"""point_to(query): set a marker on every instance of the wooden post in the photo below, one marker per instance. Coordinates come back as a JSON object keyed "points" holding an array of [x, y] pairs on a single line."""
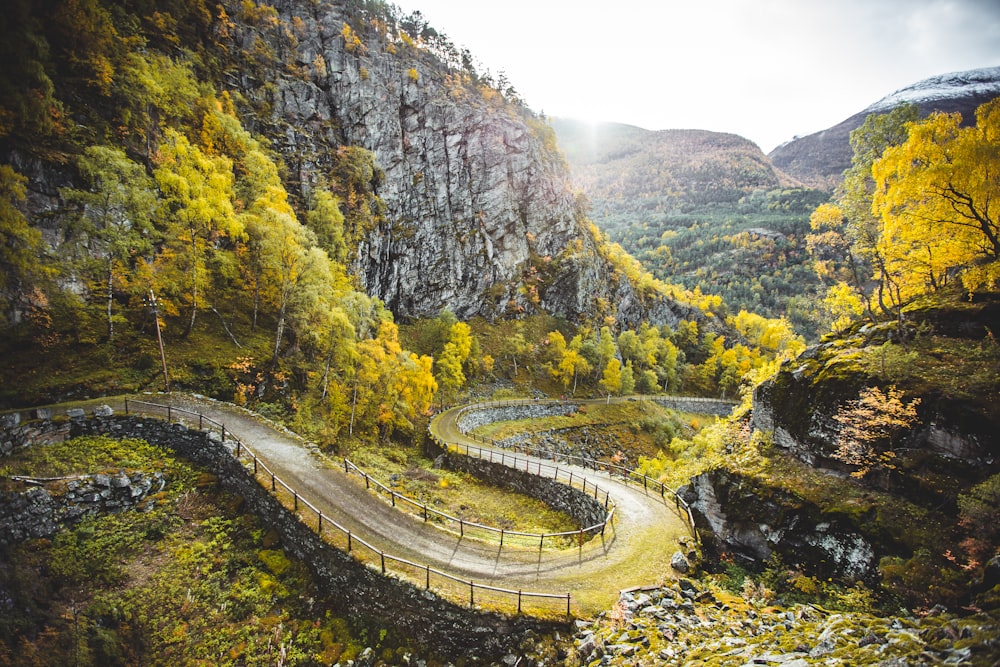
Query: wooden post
{"points": [[472, 594], [427, 581], [126, 405], [518, 601], [319, 523], [295, 500], [273, 487], [349, 544], [382, 554]]}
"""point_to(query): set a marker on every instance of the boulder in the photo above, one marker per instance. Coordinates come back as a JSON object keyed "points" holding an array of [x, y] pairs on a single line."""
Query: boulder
{"points": [[680, 562]]}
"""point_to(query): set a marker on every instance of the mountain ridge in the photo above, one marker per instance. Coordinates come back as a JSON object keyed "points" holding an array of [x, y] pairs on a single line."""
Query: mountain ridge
{"points": [[819, 159]]}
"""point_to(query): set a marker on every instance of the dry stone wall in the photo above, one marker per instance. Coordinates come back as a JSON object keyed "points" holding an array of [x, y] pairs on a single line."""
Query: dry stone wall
{"points": [[413, 612]]}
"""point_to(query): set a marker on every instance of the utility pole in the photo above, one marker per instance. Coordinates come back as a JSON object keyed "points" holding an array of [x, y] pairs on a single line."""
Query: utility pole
{"points": [[159, 340]]}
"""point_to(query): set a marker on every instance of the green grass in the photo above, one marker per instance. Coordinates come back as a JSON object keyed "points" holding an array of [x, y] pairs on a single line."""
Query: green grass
{"points": [[411, 474], [190, 580]]}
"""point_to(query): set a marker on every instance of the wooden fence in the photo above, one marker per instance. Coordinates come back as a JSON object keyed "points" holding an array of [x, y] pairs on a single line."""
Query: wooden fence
{"points": [[361, 549], [627, 475]]}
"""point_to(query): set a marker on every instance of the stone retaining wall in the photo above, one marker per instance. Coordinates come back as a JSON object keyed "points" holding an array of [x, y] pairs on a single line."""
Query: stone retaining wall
{"points": [[41, 511], [473, 418], [383, 601], [584, 509], [704, 406]]}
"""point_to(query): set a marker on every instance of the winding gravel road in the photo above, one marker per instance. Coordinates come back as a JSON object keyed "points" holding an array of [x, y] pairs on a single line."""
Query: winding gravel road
{"points": [[635, 551]]}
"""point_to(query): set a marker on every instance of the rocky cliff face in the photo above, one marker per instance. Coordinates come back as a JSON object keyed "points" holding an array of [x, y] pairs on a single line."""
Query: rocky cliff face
{"points": [[737, 515], [478, 201]]}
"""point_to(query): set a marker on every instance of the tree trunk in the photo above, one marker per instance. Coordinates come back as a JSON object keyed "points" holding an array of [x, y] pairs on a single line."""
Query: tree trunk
{"points": [[111, 296], [194, 282], [280, 332], [354, 407]]}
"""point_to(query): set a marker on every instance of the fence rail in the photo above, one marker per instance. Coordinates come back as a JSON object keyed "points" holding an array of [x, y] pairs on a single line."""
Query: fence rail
{"points": [[626, 474], [264, 475], [463, 525]]}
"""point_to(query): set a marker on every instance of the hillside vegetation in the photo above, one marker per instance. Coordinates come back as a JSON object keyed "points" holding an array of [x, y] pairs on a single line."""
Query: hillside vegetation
{"points": [[166, 222], [702, 209]]}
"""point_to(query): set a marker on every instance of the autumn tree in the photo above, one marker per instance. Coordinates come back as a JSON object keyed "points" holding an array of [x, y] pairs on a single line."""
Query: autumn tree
{"points": [[611, 380], [938, 200], [449, 364], [845, 232], [198, 216], [326, 220], [870, 430], [115, 222], [20, 243], [514, 347]]}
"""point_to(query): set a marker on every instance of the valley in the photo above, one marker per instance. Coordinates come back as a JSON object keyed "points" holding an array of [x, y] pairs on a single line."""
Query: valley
{"points": [[497, 388]]}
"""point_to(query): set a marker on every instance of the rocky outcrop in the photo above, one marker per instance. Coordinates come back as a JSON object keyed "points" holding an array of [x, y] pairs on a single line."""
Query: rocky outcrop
{"points": [[684, 624], [736, 515], [798, 404], [480, 215]]}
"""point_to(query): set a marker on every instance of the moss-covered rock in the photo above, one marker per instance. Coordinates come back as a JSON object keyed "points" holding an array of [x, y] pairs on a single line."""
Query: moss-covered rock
{"points": [[739, 516]]}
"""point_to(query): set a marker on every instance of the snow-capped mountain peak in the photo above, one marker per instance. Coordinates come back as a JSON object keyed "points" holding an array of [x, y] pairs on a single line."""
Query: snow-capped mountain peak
{"points": [[980, 82]]}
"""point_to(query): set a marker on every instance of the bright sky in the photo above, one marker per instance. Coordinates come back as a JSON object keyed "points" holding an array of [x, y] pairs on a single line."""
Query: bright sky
{"points": [[768, 70]]}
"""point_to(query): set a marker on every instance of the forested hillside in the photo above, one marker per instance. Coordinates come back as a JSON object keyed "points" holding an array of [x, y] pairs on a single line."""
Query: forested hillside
{"points": [[322, 211], [214, 198], [703, 209]]}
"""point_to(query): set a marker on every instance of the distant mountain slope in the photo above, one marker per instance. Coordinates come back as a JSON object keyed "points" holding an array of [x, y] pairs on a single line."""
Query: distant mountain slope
{"points": [[700, 208], [819, 159], [613, 159]]}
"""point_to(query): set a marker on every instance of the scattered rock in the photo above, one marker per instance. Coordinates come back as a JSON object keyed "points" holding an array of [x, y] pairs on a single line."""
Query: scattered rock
{"points": [[666, 632], [680, 562]]}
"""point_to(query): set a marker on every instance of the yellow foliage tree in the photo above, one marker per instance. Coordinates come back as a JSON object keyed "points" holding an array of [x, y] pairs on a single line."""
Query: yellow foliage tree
{"points": [[938, 200], [870, 427]]}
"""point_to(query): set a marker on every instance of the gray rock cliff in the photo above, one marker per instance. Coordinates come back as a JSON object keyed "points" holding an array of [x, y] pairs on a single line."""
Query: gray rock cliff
{"points": [[480, 216]]}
